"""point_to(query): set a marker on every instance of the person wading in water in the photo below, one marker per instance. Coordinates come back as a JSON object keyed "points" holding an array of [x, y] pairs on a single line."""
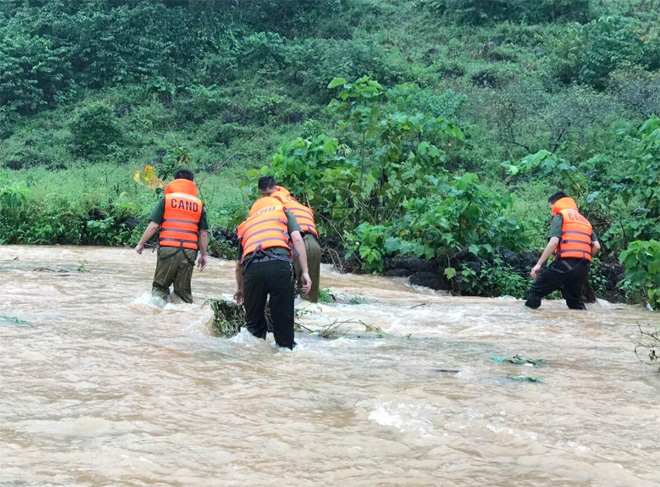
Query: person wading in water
{"points": [[305, 218], [573, 243], [181, 218], [265, 268]]}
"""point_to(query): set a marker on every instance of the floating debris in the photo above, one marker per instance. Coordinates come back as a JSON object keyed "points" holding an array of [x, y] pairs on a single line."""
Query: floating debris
{"points": [[336, 329], [48, 269], [12, 320], [524, 378], [228, 319], [446, 371], [518, 360]]}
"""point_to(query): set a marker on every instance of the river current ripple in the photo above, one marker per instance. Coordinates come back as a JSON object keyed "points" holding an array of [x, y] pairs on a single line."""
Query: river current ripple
{"points": [[99, 387]]}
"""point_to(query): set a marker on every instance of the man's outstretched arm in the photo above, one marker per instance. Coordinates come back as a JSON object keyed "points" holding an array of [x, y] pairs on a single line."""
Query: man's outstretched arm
{"points": [[148, 233], [549, 250]]}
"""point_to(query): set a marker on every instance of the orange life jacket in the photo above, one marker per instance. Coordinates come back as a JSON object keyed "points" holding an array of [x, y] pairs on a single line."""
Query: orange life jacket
{"points": [[265, 228], [183, 210], [304, 215], [575, 241]]}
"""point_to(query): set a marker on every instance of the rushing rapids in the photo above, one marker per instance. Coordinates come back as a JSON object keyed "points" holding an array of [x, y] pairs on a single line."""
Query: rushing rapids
{"points": [[102, 387]]}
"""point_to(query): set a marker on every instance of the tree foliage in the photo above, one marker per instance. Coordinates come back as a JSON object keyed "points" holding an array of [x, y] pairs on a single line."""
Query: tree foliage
{"points": [[94, 129], [385, 190], [412, 164]]}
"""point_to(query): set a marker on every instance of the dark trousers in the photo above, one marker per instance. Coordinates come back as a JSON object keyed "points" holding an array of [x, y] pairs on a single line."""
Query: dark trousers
{"points": [[569, 275], [275, 279]]}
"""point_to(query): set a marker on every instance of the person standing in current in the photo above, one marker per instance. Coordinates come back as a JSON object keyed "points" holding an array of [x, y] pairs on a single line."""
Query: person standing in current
{"points": [[573, 243], [305, 218], [181, 218], [264, 269]]}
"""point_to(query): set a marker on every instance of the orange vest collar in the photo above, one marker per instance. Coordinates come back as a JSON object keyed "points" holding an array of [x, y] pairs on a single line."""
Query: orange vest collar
{"points": [[182, 186], [566, 203], [280, 189]]}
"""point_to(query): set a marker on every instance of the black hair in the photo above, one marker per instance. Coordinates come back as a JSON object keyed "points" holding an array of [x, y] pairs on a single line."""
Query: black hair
{"points": [[556, 197], [184, 174], [266, 182]]}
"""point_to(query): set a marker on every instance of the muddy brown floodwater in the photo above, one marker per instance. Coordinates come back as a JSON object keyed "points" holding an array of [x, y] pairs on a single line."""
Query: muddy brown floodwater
{"points": [[99, 387]]}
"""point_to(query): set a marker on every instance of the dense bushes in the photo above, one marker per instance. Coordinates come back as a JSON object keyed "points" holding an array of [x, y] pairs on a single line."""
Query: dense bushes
{"points": [[94, 129], [51, 50], [384, 190], [33, 75], [589, 53], [480, 12], [63, 219], [557, 88]]}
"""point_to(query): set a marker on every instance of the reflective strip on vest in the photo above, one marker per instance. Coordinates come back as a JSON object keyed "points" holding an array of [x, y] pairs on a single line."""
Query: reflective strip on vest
{"points": [[184, 195], [575, 241], [180, 226], [264, 230], [304, 215]]}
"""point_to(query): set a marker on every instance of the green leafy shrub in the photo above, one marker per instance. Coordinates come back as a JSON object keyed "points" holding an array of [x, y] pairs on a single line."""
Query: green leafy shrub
{"points": [[552, 167], [481, 12], [385, 191], [642, 261], [95, 129], [33, 75], [499, 280], [590, 53], [641, 191]]}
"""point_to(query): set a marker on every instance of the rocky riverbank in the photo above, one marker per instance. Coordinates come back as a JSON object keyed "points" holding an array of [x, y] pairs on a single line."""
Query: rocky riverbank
{"points": [[459, 271]]}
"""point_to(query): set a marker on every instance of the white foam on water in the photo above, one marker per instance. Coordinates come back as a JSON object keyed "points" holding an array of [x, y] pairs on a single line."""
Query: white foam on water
{"points": [[204, 323], [146, 299], [248, 340], [604, 303], [404, 417], [82, 426], [180, 307], [33, 356]]}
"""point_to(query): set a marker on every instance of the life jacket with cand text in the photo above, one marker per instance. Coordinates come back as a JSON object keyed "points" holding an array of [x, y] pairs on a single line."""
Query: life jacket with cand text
{"points": [[575, 241], [265, 228], [183, 211]]}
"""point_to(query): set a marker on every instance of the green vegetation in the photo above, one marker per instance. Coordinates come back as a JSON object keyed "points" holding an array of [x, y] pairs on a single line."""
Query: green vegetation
{"points": [[518, 360], [414, 127], [228, 318], [642, 260], [648, 348], [326, 296]]}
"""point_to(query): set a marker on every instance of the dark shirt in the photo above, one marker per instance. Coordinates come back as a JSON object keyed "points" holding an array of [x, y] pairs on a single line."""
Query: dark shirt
{"points": [[292, 226], [159, 211]]}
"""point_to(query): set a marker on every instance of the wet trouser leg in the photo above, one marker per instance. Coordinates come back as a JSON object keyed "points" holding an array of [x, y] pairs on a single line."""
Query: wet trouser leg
{"points": [[572, 290], [174, 266], [282, 296], [183, 279], [313, 250], [559, 276], [274, 278], [255, 294], [166, 269]]}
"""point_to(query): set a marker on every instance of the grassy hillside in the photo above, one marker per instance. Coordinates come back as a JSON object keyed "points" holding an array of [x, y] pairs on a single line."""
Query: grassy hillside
{"points": [[93, 90]]}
